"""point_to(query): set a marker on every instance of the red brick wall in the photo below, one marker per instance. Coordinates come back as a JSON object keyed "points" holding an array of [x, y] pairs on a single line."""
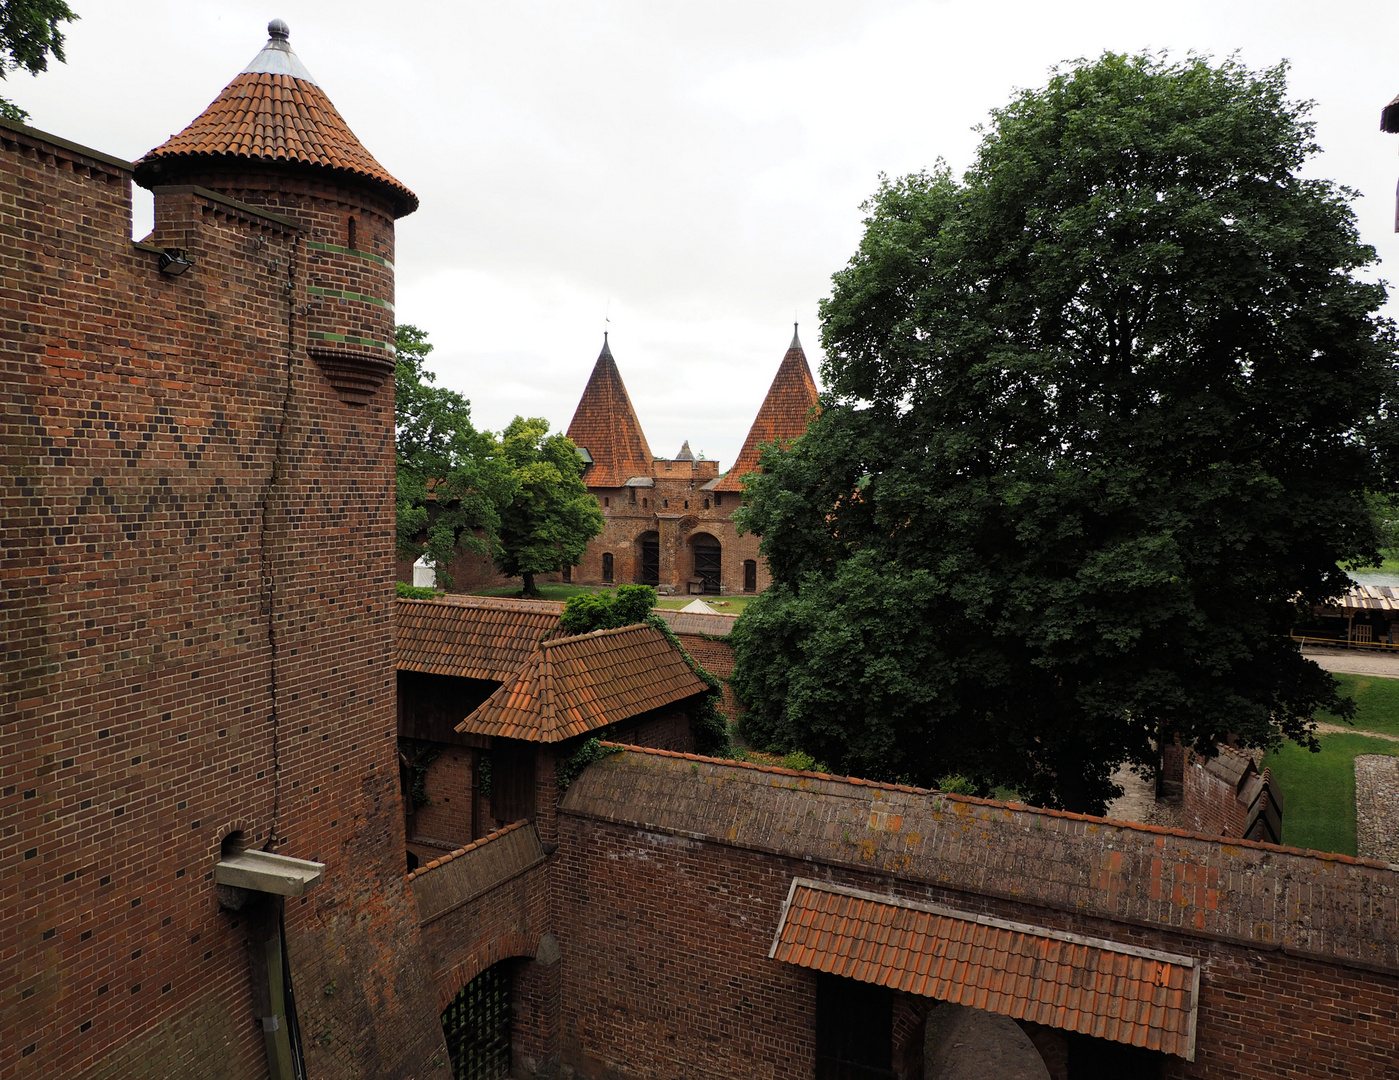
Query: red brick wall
{"points": [[505, 925], [716, 656], [635, 910], [635, 906], [199, 638], [665, 729], [449, 783], [663, 509], [1209, 802]]}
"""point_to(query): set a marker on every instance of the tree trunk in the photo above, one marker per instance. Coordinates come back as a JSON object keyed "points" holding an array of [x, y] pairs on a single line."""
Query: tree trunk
{"points": [[531, 590]]}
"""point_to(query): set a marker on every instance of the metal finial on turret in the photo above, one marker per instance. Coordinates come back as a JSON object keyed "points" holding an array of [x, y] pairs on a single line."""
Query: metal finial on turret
{"points": [[278, 29], [796, 341]]}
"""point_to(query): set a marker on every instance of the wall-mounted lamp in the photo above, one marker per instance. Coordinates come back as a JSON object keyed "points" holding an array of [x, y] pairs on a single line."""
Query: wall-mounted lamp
{"points": [[175, 261]]}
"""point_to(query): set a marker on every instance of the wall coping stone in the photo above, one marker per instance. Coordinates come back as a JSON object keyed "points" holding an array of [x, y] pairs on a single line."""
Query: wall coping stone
{"points": [[1313, 904]]}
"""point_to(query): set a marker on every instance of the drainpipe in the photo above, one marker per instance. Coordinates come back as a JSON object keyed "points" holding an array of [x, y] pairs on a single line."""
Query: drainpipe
{"points": [[258, 883]]}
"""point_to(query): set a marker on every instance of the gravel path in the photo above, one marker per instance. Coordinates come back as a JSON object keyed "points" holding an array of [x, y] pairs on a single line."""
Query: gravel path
{"points": [[1377, 807], [1345, 729], [1354, 662]]}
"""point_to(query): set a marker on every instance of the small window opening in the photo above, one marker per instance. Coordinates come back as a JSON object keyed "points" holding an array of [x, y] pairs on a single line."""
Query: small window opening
{"points": [[687, 504], [750, 575], [643, 504], [633, 496], [351, 238], [706, 504], [235, 843], [718, 498]]}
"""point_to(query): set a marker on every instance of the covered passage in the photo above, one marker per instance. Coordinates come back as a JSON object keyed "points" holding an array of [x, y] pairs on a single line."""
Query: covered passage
{"points": [[1091, 986]]}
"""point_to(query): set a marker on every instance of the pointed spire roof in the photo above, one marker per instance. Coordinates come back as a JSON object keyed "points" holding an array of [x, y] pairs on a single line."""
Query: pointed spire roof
{"points": [[605, 425], [783, 416], [686, 454], [273, 112]]}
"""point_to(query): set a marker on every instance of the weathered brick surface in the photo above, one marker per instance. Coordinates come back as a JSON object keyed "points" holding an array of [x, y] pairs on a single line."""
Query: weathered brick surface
{"points": [[672, 870], [716, 656], [198, 627], [487, 903]]}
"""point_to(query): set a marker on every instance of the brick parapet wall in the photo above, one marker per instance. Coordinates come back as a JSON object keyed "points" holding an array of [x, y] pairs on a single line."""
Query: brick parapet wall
{"points": [[182, 489], [503, 909], [639, 896], [1209, 800], [1333, 907]]}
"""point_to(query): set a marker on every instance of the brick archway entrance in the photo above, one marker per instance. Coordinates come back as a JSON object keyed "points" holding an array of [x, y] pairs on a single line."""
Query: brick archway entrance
{"points": [[649, 558]]}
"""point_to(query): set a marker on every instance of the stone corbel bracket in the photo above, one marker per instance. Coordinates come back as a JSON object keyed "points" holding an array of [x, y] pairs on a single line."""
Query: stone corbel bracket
{"points": [[356, 373]]}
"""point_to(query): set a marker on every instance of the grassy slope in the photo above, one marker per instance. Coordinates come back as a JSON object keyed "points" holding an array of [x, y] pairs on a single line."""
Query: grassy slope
{"points": [[1376, 700], [1318, 790]]}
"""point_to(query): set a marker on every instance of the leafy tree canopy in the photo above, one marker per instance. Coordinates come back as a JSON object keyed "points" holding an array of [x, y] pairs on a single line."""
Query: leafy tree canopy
{"points": [[29, 35], [587, 612], [450, 477], [548, 522], [1099, 415]]}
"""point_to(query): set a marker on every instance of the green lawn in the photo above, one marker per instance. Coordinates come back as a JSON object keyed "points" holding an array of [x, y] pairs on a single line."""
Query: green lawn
{"points": [[1318, 790], [548, 591], [1376, 700], [726, 605]]}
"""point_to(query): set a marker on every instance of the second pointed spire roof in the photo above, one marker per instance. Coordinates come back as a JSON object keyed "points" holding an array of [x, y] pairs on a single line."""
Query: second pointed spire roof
{"points": [[783, 417]]}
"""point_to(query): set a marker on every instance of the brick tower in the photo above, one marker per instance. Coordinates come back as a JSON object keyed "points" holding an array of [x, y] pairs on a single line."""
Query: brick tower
{"points": [[196, 503], [273, 139]]}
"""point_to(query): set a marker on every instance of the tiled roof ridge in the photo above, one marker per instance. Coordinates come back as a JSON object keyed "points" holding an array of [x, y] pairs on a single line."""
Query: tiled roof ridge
{"points": [[602, 677], [610, 632], [548, 706], [444, 859], [783, 415], [1068, 815]]}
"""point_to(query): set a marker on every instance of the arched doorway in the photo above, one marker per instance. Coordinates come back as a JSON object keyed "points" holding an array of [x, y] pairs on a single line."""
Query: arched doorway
{"points": [[477, 1026], [649, 563], [708, 557]]}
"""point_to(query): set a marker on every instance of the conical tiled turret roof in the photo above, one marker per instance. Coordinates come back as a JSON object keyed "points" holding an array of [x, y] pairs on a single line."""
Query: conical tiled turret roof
{"points": [[783, 417], [272, 112], [605, 425]]}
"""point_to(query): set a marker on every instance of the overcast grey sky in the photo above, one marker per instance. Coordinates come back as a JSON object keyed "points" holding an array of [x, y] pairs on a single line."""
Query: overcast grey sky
{"points": [[697, 167]]}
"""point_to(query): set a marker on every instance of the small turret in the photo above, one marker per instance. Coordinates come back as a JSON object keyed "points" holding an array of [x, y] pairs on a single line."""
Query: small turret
{"points": [[272, 139]]}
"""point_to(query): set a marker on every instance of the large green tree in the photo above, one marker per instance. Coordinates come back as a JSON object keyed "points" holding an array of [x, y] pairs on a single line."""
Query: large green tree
{"points": [[1099, 415], [29, 34], [451, 478], [549, 521]]}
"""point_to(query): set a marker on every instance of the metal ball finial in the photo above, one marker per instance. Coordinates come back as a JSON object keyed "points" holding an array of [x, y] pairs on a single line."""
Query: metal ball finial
{"points": [[278, 29]]}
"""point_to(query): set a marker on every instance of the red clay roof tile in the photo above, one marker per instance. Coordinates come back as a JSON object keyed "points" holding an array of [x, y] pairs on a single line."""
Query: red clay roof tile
{"points": [[1088, 985], [573, 685], [472, 637], [271, 117]]}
